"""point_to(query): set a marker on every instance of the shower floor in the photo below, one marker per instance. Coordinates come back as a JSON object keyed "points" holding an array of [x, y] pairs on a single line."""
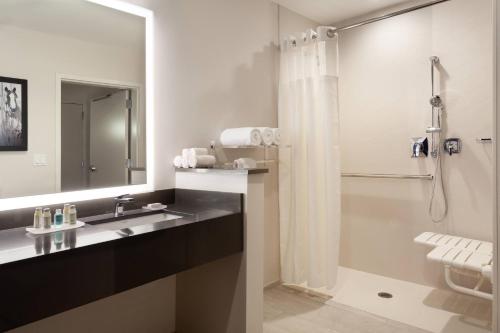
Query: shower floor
{"points": [[292, 311], [413, 308]]}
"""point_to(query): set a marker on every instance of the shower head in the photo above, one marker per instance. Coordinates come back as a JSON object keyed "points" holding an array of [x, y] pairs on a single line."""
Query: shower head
{"points": [[436, 101]]}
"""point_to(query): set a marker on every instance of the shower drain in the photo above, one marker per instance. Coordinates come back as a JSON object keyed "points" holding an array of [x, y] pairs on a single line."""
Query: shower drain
{"points": [[384, 295]]}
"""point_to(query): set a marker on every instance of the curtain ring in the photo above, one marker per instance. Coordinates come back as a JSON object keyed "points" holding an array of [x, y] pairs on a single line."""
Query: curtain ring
{"points": [[331, 32]]}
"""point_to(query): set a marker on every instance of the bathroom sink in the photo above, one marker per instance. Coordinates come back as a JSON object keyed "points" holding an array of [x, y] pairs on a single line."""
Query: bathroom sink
{"points": [[131, 222]]}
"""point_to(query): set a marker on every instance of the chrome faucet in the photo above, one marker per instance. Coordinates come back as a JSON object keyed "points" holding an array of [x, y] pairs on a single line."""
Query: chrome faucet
{"points": [[120, 203]]}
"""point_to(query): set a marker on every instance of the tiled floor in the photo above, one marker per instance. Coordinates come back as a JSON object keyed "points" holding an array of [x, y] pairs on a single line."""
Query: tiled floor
{"points": [[291, 311]]}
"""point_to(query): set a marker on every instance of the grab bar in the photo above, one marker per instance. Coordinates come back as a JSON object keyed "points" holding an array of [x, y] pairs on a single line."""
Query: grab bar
{"points": [[391, 176]]}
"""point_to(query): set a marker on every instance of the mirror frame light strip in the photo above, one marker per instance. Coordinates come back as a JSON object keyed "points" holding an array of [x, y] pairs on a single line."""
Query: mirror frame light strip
{"points": [[59, 198]]}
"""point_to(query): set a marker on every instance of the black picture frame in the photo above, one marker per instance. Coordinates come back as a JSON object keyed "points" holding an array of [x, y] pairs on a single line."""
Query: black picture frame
{"points": [[13, 122]]}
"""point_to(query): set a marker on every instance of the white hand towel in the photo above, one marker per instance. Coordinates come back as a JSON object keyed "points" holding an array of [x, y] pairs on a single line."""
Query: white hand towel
{"points": [[178, 161], [201, 161], [245, 136], [245, 163], [277, 136], [185, 153], [267, 135], [197, 152], [185, 158]]}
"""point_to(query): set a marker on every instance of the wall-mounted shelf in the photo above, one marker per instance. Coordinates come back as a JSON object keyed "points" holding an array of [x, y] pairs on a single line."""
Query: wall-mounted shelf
{"points": [[266, 149]]}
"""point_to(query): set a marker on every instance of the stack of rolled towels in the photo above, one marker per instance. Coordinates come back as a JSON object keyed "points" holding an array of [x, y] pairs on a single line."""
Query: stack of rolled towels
{"points": [[250, 136], [195, 158]]}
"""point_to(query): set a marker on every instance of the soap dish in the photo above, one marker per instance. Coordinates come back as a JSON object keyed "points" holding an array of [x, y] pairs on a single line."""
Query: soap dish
{"points": [[162, 207], [64, 227]]}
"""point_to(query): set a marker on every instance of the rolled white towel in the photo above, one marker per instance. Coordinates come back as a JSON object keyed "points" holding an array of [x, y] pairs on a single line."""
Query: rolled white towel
{"points": [[277, 136], [178, 161], [201, 161], [245, 136], [185, 153], [245, 163], [197, 152], [267, 135]]}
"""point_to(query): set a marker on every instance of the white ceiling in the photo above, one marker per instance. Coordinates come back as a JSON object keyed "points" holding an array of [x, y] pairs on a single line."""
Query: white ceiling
{"points": [[77, 19], [332, 11]]}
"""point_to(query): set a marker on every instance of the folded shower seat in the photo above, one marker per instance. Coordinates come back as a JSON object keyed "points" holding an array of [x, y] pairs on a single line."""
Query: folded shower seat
{"points": [[462, 255]]}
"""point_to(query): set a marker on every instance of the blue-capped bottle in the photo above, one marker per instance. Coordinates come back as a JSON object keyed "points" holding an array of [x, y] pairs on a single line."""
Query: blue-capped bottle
{"points": [[58, 218]]}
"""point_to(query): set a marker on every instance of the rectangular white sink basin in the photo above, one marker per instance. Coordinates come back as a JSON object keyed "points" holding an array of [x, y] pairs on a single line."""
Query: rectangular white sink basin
{"points": [[139, 221]]}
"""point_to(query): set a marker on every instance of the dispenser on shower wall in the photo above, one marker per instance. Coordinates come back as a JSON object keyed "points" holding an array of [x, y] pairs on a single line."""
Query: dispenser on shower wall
{"points": [[420, 147]]}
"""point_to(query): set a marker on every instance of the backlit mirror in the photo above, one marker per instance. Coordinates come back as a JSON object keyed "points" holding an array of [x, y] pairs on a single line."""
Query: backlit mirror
{"points": [[72, 97]]}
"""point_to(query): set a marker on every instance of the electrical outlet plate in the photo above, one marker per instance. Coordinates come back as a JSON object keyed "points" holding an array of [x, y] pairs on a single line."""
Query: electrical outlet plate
{"points": [[40, 160]]}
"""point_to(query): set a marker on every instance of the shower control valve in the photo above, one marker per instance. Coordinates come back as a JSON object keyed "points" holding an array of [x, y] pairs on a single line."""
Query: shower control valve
{"points": [[453, 146]]}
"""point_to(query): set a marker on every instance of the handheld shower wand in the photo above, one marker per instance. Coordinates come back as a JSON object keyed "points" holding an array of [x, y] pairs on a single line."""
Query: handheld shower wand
{"points": [[435, 130]]}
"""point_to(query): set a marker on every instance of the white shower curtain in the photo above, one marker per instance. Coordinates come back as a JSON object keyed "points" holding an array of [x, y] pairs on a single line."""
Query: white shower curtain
{"points": [[309, 170]]}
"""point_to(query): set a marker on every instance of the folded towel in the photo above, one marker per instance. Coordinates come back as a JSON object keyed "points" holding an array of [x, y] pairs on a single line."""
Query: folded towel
{"points": [[277, 136], [245, 136], [197, 151], [178, 161], [245, 163], [267, 135], [201, 161]]}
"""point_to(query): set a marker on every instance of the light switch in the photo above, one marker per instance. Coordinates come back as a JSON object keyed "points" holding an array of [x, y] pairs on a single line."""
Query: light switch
{"points": [[40, 160]]}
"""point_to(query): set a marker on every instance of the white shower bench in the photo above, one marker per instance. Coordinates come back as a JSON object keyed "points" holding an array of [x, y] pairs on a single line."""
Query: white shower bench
{"points": [[464, 256]]}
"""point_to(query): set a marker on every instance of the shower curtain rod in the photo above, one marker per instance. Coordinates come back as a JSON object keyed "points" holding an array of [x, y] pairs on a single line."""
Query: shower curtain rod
{"points": [[383, 17]]}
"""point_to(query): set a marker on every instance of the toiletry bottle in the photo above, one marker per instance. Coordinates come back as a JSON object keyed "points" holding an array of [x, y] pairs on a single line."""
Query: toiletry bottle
{"points": [[66, 213], [72, 215], [58, 218], [38, 218], [47, 218]]}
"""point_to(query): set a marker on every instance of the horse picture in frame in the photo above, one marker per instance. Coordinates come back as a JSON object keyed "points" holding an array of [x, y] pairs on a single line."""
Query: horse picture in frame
{"points": [[13, 114]]}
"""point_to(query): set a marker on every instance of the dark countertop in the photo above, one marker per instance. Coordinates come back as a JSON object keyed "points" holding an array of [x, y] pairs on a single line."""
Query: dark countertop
{"points": [[16, 244], [225, 171]]}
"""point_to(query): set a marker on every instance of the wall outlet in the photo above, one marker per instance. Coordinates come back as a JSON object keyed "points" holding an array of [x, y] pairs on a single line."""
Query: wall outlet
{"points": [[40, 160]]}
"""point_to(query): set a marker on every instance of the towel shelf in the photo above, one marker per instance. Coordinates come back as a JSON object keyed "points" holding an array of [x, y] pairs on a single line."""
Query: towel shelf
{"points": [[390, 176]]}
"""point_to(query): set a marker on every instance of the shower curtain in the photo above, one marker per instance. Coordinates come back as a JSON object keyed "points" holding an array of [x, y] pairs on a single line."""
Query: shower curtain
{"points": [[309, 161]]}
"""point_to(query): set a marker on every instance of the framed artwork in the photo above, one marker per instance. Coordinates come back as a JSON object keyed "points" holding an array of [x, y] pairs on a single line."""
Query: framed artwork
{"points": [[13, 114]]}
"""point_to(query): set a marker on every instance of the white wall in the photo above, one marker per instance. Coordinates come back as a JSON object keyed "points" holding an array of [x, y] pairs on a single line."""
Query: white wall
{"points": [[384, 94], [38, 57], [216, 67]]}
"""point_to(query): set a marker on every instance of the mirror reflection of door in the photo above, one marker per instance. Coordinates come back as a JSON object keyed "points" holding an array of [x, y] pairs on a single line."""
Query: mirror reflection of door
{"points": [[73, 147], [109, 140], [98, 136]]}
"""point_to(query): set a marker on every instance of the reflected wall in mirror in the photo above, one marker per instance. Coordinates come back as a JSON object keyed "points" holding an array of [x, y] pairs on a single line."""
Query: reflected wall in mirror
{"points": [[85, 64]]}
